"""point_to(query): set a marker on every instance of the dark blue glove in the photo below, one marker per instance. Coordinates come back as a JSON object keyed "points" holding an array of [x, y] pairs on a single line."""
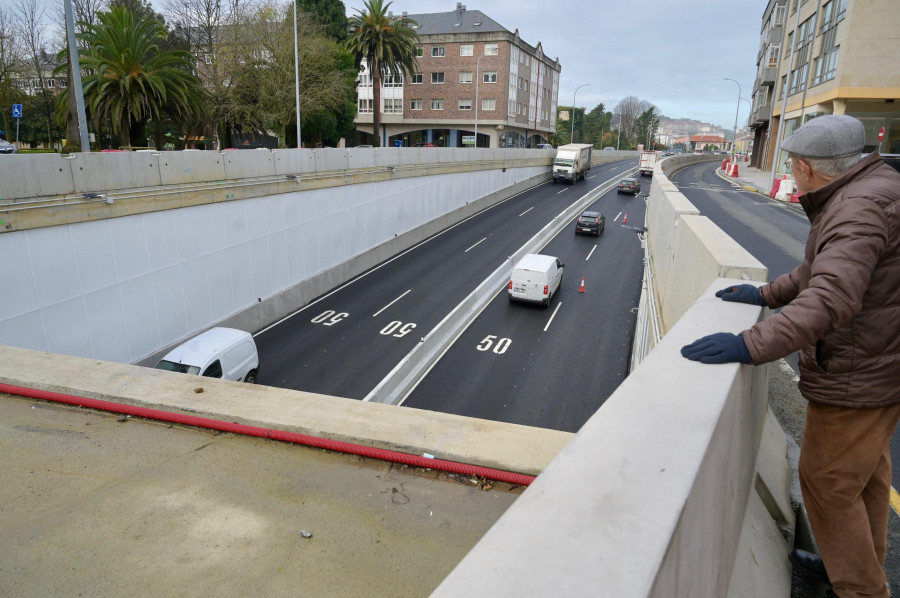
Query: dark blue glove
{"points": [[742, 293], [721, 347]]}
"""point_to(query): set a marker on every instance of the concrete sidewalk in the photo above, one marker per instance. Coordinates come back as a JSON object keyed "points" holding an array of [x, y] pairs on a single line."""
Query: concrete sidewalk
{"points": [[752, 179]]}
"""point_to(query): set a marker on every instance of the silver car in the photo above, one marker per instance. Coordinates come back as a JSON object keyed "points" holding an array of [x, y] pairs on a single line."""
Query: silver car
{"points": [[8, 148]]}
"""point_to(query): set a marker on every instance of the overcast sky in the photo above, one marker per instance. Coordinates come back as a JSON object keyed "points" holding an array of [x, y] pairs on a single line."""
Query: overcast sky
{"points": [[672, 53]]}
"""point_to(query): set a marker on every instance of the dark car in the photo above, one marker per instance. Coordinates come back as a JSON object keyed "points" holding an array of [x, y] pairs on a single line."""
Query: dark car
{"points": [[590, 222], [629, 185]]}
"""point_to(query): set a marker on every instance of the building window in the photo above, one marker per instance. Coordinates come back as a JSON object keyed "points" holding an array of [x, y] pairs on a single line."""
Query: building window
{"points": [[392, 81], [207, 58], [420, 51], [825, 66], [491, 49], [466, 49], [437, 51], [393, 106], [779, 15], [365, 80], [437, 78], [465, 76], [488, 104], [51, 83], [465, 103], [364, 106], [437, 104], [490, 77], [415, 104], [772, 56], [417, 78]]}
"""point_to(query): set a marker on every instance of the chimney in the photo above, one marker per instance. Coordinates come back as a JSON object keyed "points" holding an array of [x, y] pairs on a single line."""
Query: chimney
{"points": [[460, 7]]}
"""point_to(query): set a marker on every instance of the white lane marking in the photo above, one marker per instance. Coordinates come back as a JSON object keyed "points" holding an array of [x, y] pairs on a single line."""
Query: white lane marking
{"points": [[475, 245], [564, 188], [591, 253], [392, 302], [590, 177], [558, 305], [616, 219], [526, 211]]}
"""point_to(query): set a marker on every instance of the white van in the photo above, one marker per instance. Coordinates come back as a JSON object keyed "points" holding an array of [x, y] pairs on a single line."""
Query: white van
{"points": [[535, 278], [217, 353]]}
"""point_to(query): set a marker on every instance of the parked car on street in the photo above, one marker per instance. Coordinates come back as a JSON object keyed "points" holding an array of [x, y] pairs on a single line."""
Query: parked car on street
{"points": [[590, 222], [629, 185], [425, 144], [543, 146], [8, 148]]}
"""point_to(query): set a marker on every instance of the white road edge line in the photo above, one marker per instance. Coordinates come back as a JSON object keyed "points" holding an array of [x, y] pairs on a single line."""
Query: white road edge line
{"points": [[392, 302], [475, 245], [526, 211], [558, 305], [591, 253]]}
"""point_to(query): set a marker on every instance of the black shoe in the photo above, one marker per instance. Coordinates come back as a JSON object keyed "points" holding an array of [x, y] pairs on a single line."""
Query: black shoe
{"points": [[809, 563]]}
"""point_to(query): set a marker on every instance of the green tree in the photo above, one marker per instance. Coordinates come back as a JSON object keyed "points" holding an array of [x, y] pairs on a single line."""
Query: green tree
{"points": [[645, 127], [330, 14], [131, 80], [388, 46], [596, 123]]}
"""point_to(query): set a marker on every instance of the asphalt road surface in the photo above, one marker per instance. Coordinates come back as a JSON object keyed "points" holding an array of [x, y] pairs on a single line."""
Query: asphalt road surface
{"points": [[347, 341], [553, 366]]}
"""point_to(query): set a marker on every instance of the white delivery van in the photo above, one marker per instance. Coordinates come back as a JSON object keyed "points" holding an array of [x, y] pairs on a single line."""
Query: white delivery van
{"points": [[217, 353], [535, 278]]}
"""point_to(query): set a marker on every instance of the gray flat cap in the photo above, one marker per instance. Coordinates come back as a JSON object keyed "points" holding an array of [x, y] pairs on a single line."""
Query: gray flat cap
{"points": [[829, 136]]}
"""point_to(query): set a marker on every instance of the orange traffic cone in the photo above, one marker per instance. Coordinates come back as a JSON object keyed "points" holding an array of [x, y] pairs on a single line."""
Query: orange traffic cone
{"points": [[625, 219], [581, 290]]}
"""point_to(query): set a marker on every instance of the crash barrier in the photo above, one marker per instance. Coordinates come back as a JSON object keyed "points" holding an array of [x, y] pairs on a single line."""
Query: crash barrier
{"points": [[784, 189], [702, 507], [732, 169], [115, 266]]}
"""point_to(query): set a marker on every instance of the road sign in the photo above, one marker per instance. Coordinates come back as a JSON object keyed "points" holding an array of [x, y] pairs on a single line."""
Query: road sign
{"points": [[17, 110], [881, 135], [398, 143]]}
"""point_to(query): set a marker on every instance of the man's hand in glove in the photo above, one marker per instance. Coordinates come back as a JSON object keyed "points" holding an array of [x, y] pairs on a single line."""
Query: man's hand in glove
{"points": [[742, 293], [721, 347]]}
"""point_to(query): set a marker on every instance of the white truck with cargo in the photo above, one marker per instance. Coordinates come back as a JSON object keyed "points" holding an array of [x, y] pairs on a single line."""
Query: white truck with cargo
{"points": [[648, 161], [572, 162]]}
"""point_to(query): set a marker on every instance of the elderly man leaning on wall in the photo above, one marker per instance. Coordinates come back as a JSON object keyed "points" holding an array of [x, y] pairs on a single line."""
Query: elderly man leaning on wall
{"points": [[841, 310]]}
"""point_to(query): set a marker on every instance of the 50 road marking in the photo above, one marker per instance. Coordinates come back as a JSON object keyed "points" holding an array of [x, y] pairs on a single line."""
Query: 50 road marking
{"points": [[329, 318], [499, 348]]}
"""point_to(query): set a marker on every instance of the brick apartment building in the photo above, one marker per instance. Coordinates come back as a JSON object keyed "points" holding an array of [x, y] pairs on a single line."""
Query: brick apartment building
{"points": [[468, 65]]}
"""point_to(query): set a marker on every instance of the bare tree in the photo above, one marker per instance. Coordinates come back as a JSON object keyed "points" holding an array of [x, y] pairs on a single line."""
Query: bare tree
{"points": [[627, 111], [10, 62], [84, 11], [211, 31], [32, 31]]}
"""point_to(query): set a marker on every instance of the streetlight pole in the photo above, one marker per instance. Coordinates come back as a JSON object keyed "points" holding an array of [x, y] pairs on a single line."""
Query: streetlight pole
{"points": [[734, 140], [477, 80], [76, 89], [297, 72], [572, 136]]}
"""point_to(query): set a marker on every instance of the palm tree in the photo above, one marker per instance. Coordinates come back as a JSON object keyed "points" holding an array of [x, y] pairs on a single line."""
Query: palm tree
{"points": [[387, 44], [132, 81]]}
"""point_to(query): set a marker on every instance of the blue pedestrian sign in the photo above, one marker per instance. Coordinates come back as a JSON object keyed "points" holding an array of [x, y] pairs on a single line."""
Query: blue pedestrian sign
{"points": [[17, 110]]}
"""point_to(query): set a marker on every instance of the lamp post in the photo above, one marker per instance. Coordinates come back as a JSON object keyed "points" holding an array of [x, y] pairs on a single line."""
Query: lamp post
{"points": [[477, 80], [572, 136], [734, 141], [297, 74]]}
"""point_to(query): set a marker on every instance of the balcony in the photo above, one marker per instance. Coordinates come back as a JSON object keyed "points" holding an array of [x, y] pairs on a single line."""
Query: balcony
{"points": [[767, 76]]}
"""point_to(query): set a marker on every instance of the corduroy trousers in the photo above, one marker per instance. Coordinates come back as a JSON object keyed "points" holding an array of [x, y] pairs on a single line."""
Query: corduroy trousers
{"points": [[845, 477]]}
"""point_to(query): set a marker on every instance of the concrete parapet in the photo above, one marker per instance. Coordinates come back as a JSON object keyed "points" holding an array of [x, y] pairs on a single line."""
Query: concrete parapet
{"points": [[635, 506], [508, 447]]}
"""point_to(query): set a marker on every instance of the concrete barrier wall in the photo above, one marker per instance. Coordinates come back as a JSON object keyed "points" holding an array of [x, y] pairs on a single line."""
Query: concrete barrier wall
{"points": [[125, 289], [679, 485]]}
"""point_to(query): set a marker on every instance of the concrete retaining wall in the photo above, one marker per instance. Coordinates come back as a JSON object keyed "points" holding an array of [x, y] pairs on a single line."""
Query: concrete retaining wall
{"points": [[179, 259]]}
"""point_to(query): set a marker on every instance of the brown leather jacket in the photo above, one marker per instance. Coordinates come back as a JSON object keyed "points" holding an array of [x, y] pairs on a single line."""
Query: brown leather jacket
{"points": [[841, 306]]}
